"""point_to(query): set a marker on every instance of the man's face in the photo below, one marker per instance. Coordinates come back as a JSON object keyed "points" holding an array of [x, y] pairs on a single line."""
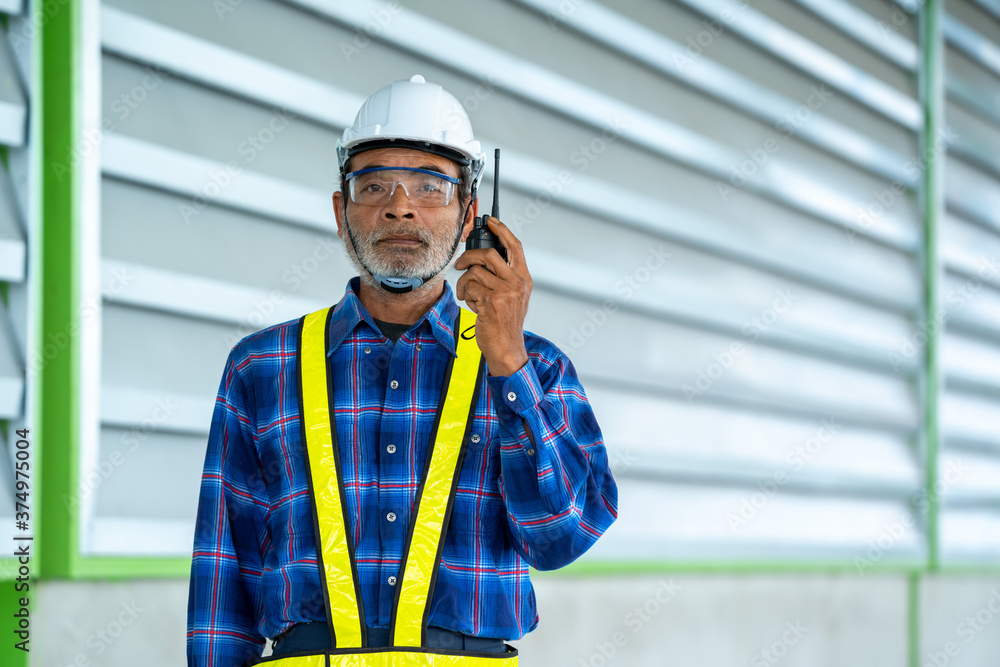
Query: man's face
{"points": [[399, 238]]}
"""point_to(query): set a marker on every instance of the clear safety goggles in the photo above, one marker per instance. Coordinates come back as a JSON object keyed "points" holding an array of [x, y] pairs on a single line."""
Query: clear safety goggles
{"points": [[375, 186]]}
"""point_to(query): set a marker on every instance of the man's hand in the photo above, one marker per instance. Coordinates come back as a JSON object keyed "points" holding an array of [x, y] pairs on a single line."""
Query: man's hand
{"points": [[498, 294]]}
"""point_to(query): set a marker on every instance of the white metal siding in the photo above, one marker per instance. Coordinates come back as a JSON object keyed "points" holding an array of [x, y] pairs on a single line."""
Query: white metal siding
{"points": [[969, 469], [729, 331], [17, 234]]}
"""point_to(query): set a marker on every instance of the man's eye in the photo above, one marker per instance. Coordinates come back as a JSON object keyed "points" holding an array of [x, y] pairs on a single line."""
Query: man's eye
{"points": [[372, 187], [430, 188]]}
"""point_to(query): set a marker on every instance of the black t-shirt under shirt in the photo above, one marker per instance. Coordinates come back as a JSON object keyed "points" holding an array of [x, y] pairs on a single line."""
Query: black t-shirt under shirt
{"points": [[391, 330]]}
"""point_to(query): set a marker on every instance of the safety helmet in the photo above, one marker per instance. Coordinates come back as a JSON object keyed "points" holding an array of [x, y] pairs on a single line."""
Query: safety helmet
{"points": [[414, 114]]}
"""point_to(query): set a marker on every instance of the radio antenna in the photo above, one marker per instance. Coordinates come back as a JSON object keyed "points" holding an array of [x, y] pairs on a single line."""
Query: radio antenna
{"points": [[496, 184]]}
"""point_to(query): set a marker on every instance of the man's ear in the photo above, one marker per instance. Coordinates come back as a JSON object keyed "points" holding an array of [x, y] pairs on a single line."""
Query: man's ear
{"points": [[338, 211], [470, 218]]}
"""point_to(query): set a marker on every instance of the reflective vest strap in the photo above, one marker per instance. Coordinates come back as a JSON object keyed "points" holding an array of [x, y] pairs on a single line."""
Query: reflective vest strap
{"points": [[324, 481], [393, 658], [316, 660], [418, 659], [433, 500]]}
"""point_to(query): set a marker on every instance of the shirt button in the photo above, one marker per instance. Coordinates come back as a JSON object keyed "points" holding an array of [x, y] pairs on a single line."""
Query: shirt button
{"points": [[368, 350], [391, 449], [391, 516], [475, 437], [511, 396], [392, 581], [394, 384], [419, 347], [531, 452]]}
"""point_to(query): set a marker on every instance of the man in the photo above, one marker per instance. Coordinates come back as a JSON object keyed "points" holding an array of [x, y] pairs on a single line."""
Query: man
{"points": [[349, 500]]}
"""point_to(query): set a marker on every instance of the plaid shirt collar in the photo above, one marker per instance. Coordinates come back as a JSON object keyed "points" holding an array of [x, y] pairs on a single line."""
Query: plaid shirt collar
{"points": [[349, 313]]}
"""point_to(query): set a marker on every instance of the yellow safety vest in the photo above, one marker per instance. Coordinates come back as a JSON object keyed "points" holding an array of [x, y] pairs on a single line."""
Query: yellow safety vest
{"points": [[414, 588]]}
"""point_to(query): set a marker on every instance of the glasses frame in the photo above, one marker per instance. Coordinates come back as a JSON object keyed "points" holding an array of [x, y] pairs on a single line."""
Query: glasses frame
{"points": [[349, 179]]}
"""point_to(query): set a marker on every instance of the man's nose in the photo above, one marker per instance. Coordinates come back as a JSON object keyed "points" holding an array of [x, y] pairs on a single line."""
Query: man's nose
{"points": [[399, 205]]}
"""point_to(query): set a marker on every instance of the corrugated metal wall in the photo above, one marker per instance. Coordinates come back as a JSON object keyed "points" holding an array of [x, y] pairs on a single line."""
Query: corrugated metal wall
{"points": [[721, 209], [969, 471], [17, 307]]}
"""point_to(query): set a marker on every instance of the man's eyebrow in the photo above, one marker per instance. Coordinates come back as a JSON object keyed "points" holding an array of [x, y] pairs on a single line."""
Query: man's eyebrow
{"points": [[429, 167]]}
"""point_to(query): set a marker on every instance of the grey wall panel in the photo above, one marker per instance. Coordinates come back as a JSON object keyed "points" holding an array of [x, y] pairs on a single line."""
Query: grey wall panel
{"points": [[75, 619], [840, 620], [969, 534], [19, 307], [972, 193], [975, 81], [972, 301], [686, 280], [968, 415], [949, 629], [730, 248], [775, 38], [970, 249], [665, 431], [970, 13], [129, 335], [969, 475], [971, 360], [685, 520], [719, 620], [794, 15], [969, 468], [879, 26], [978, 140], [122, 485], [12, 377], [13, 106], [890, 17], [172, 113], [755, 372], [686, 26], [144, 226]]}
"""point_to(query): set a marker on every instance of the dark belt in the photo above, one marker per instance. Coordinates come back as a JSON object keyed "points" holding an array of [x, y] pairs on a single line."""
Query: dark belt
{"points": [[316, 637]]}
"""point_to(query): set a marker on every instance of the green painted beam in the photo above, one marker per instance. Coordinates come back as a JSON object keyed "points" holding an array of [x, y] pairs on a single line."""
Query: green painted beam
{"points": [[970, 569], [117, 568], [774, 566], [132, 567], [56, 434], [10, 604]]}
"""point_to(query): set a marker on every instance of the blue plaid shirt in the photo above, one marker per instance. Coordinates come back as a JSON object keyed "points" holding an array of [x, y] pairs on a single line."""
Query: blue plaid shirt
{"points": [[534, 488]]}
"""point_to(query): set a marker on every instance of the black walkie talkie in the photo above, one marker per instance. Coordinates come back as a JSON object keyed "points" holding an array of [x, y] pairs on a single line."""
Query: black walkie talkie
{"points": [[481, 236]]}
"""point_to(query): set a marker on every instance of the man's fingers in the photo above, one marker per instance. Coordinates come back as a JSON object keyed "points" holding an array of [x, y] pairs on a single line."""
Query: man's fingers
{"points": [[487, 257], [474, 292], [483, 276], [479, 275], [515, 251]]}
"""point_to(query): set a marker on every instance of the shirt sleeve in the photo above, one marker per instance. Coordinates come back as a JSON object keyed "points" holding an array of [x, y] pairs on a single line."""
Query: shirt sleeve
{"points": [[224, 595], [555, 479]]}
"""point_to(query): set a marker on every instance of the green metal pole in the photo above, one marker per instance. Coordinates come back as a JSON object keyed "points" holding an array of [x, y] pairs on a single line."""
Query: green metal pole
{"points": [[931, 87], [932, 93], [56, 367], [913, 619]]}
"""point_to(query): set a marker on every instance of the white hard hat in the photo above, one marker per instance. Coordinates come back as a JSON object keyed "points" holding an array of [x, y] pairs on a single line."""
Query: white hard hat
{"points": [[414, 114]]}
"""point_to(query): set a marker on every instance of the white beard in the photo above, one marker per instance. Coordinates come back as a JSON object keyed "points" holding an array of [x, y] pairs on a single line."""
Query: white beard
{"points": [[426, 261]]}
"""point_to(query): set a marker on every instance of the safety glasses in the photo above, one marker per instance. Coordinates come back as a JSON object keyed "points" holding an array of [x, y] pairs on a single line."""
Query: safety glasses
{"points": [[376, 185]]}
